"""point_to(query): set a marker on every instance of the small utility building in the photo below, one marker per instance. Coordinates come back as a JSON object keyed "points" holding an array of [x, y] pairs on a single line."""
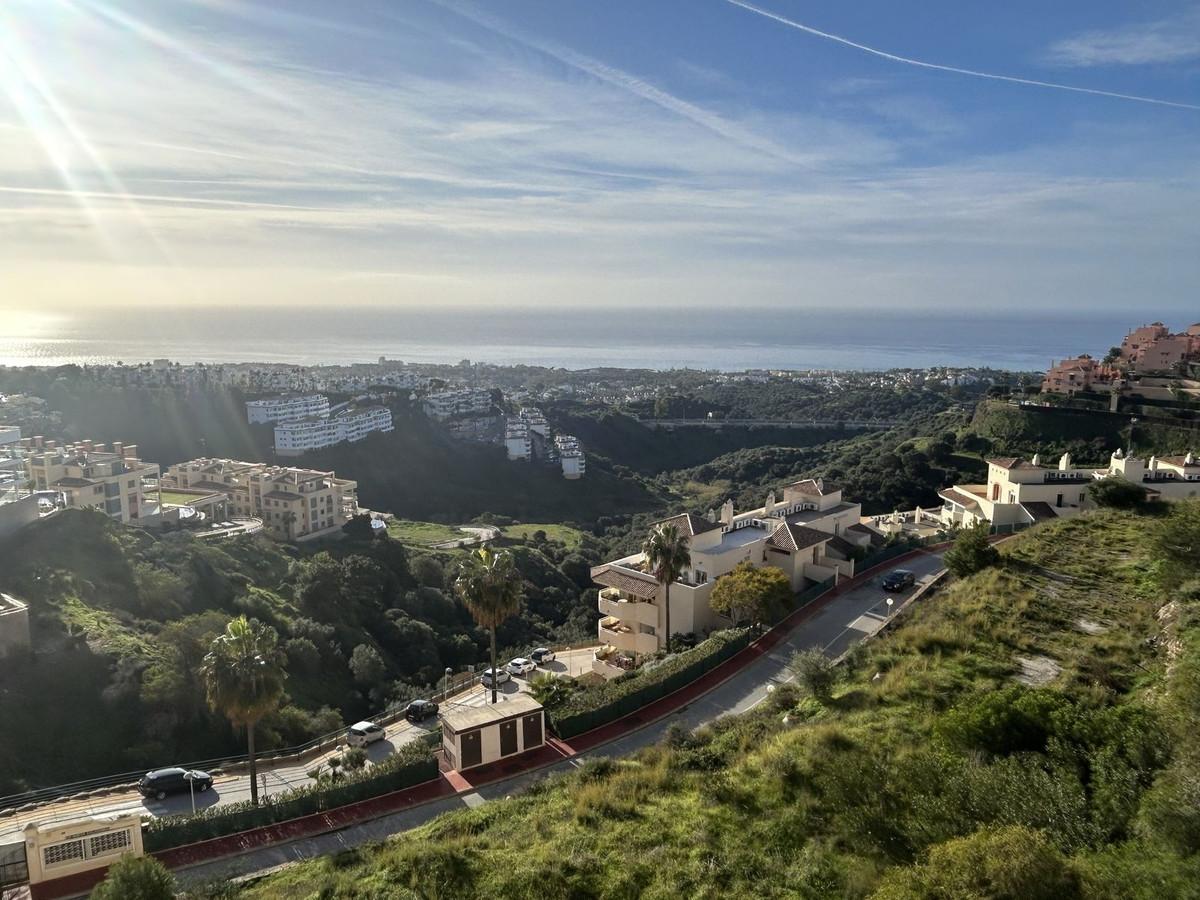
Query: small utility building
{"points": [[477, 735]]}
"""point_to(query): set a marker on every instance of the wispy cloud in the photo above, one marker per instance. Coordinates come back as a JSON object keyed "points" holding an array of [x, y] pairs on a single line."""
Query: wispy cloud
{"points": [[1169, 40], [938, 67]]}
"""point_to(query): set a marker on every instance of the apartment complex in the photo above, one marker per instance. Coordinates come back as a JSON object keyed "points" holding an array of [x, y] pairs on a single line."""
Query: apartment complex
{"points": [[1081, 374], [811, 534], [518, 442], [88, 475], [294, 438], [18, 503], [1154, 348], [448, 404], [286, 409], [570, 456], [294, 504], [1022, 492]]}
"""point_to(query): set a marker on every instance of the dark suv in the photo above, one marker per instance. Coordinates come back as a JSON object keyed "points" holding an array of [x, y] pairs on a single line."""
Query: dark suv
{"points": [[899, 580], [419, 710], [161, 782]]}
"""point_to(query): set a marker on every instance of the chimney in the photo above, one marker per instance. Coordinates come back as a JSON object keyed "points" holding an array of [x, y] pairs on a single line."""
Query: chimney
{"points": [[1064, 462], [727, 512], [131, 451], [117, 448], [769, 506]]}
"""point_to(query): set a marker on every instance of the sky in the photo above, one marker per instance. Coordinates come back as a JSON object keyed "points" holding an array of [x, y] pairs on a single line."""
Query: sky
{"points": [[693, 153]]}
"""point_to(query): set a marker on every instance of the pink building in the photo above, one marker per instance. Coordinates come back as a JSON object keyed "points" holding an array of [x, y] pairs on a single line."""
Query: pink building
{"points": [[1153, 348], [1080, 374]]}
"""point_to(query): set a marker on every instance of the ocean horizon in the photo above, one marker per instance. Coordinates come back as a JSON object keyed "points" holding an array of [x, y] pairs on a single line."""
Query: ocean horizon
{"points": [[663, 338]]}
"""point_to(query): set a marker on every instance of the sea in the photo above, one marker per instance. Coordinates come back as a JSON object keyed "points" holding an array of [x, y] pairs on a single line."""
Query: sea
{"points": [[726, 339]]}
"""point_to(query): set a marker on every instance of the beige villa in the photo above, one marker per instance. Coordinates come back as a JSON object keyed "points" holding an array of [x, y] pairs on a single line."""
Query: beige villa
{"points": [[812, 534]]}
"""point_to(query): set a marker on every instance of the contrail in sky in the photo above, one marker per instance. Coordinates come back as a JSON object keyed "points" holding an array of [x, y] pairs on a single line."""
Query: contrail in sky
{"points": [[940, 68]]}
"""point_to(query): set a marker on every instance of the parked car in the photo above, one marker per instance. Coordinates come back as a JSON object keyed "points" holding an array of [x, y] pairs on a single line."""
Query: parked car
{"points": [[521, 666], [899, 580], [501, 676], [161, 782], [362, 733], [420, 710], [542, 655]]}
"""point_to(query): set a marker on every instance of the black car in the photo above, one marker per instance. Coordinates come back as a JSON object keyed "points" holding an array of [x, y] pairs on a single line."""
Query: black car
{"points": [[419, 710], [161, 782], [899, 580]]}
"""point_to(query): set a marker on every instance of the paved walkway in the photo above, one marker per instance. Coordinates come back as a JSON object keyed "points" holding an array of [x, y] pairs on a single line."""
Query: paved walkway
{"points": [[833, 624]]}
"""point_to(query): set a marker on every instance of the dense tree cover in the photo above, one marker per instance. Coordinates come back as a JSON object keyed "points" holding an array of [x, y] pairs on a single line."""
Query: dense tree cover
{"points": [[928, 772], [123, 618], [1117, 493], [752, 593]]}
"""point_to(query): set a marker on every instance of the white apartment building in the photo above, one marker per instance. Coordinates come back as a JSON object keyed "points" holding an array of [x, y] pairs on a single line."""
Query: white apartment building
{"points": [[570, 456], [809, 534], [294, 438], [87, 475], [286, 409], [467, 402], [294, 504], [536, 420], [1020, 492], [517, 441]]}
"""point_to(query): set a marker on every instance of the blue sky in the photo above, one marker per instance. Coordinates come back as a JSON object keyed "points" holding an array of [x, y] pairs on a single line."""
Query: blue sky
{"points": [[619, 153]]}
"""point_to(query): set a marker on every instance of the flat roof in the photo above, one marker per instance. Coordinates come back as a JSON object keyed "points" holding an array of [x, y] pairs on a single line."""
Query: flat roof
{"points": [[732, 540], [811, 515], [463, 718]]}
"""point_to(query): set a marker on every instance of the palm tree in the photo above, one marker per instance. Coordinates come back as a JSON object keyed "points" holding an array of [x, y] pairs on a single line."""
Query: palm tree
{"points": [[289, 519], [667, 556], [491, 588], [243, 678]]}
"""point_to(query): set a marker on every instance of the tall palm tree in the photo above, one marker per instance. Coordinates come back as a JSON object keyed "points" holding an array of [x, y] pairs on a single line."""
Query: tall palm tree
{"points": [[289, 519], [667, 556], [491, 588], [243, 678]]}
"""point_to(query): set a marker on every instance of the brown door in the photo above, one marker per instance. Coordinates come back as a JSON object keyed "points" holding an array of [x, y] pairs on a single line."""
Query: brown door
{"points": [[508, 737], [532, 726], [472, 749]]}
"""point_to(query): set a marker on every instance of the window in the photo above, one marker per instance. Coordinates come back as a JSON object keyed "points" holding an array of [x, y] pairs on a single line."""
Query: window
{"points": [[61, 853], [108, 843]]}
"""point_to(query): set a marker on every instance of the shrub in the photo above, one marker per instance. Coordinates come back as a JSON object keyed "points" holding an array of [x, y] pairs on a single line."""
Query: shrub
{"points": [[816, 672], [136, 878], [971, 552], [595, 706], [1117, 493], [411, 764]]}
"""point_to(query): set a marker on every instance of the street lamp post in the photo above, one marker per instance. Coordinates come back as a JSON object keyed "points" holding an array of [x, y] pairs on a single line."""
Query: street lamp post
{"points": [[192, 790], [446, 693], [889, 606]]}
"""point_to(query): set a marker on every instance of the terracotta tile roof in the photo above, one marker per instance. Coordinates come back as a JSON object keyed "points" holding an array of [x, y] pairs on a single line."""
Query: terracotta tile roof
{"points": [[1004, 462], [809, 486], [962, 499], [1179, 461], [638, 585], [689, 524], [842, 546], [282, 495], [876, 539], [796, 537], [72, 481]]}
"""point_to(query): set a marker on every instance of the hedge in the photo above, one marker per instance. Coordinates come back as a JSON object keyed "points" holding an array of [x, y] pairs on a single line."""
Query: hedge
{"points": [[604, 703], [411, 764]]}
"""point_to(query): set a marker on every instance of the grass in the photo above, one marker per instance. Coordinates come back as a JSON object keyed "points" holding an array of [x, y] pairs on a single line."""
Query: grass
{"points": [[564, 534], [423, 534], [179, 498], [845, 796]]}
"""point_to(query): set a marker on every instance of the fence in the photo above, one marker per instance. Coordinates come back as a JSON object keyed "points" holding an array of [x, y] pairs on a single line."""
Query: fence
{"points": [[608, 702]]}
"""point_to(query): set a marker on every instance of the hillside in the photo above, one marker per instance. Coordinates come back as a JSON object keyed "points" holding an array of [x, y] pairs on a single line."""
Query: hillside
{"points": [[121, 619], [1029, 732]]}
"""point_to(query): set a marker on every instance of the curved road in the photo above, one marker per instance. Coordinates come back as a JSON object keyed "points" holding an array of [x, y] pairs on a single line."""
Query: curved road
{"points": [[843, 622]]}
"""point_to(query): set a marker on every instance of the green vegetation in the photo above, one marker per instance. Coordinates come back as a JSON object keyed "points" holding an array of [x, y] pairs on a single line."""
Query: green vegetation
{"points": [[423, 534], [122, 619], [538, 531], [752, 594], [579, 711], [412, 763], [667, 556], [136, 878], [489, 585], [243, 675], [972, 552], [936, 769], [1117, 493]]}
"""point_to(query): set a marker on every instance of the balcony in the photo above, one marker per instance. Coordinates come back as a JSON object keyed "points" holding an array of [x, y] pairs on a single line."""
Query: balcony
{"points": [[620, 635], [631, 610]]}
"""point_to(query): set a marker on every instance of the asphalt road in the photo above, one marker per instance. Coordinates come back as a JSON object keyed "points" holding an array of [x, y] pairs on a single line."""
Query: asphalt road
{"points": [[846, 620], [272, 778]]}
